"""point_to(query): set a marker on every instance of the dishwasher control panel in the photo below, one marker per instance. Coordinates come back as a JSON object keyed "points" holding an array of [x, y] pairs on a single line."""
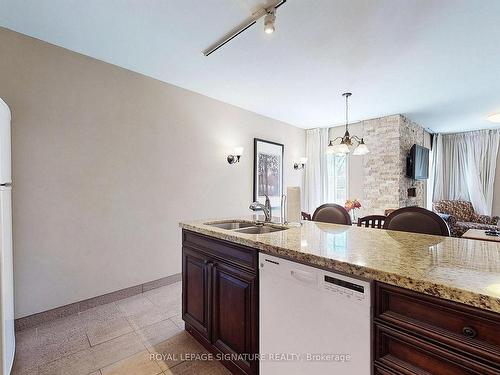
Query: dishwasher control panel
{"points": [[344, 288], [330, 282]]}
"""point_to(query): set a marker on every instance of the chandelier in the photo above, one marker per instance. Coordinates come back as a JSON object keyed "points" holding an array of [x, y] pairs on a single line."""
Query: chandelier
{"points": [[346, 142]]}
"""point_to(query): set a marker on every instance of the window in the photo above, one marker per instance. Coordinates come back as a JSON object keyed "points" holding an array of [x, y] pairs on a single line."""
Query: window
{"points": [[337, 178]]}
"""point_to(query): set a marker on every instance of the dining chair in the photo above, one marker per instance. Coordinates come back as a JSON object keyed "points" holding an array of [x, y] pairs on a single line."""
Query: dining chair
{"points": [[388, 211], [416, 220], [332, 213], [306, 216], [372, 221]]}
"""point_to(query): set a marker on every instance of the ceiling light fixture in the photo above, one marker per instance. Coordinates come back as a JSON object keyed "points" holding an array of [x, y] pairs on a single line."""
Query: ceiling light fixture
{"points": [[345, 145], [269, 15], [494, 117], [269, 21]]}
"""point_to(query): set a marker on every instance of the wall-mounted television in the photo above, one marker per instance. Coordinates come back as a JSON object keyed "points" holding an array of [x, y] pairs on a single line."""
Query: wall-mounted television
{"points": [[417, 163]]}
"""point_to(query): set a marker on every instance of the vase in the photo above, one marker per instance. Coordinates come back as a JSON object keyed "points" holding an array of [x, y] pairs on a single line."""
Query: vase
{"points": [[353, 215]]}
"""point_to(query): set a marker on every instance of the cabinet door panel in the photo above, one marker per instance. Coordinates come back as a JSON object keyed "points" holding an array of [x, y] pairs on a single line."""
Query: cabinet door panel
{"points": [[196, 290], [235, 314]]}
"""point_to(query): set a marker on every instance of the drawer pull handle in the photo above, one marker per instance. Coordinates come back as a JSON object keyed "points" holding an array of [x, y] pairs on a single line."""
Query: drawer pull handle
{"points": [[303, 276], [469, 332]]}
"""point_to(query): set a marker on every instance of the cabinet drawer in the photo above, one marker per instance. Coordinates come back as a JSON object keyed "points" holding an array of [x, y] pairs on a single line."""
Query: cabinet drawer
{"points": [[241, 256], [459, 327], [408, 355], [379, 370]]}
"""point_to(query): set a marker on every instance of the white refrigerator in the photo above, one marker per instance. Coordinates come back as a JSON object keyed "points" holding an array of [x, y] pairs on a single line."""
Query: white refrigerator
{"points": [[6, 266]]}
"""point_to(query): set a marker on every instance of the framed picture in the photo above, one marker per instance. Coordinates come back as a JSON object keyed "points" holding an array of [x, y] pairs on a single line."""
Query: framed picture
{"points": [[268, 171]]}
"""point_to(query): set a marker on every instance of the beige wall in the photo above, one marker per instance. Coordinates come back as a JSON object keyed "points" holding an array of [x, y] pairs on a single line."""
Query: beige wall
{"points": [[106, 162]]}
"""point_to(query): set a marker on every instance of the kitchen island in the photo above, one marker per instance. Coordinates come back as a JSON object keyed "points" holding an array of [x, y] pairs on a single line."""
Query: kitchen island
{"points": [[437, 299]]}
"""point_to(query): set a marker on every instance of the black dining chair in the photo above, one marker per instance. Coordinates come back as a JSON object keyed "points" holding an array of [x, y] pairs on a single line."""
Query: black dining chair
{"points": [[416, 220], [372, 221], [332, 213], [306, 216]]}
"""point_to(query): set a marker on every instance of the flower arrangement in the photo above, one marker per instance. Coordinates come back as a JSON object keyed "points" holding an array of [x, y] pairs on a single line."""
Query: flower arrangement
{"points": [[352, 205]]}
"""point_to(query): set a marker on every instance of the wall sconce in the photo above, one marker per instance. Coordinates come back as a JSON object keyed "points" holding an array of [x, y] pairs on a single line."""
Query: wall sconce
{"points": [[300, 165], [235, 158]]}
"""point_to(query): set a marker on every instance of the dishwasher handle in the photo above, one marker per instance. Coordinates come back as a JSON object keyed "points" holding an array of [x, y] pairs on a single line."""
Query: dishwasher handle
{"points": [[303, 276]]}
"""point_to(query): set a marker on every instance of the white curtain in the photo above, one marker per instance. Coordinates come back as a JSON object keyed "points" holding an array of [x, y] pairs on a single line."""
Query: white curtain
{"points": [[464, 167], [316, 180]]}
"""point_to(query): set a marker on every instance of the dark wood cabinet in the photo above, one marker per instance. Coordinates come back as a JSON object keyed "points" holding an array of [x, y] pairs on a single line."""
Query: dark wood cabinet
{"points": [[420, 334], [234, 329], [382, 371], [196, 290], [220, 299], [413, 333]]}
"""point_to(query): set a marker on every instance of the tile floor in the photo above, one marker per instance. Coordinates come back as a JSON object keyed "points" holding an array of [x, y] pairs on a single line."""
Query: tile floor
{"points": [[119, 338]]}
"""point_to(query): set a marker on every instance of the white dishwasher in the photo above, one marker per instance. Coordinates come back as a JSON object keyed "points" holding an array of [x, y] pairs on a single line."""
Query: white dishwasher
{"points": [[312, 321]]}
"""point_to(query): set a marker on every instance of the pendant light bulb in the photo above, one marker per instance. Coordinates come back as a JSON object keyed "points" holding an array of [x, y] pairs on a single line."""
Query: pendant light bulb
{"points": [[269, 21]]}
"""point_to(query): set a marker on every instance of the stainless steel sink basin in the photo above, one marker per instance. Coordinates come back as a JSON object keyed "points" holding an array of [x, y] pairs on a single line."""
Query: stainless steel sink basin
{"points": [[231, 226], [246, 227], [260, 229]]}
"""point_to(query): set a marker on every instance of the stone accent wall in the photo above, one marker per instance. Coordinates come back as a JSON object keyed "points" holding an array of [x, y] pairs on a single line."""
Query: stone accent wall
{"points": [[384, 180], [381, 165], [410, 133]]}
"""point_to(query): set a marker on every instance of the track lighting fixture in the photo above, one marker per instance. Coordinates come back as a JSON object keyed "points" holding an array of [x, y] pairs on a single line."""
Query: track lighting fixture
{"points": [[269, 21], [269, 15]]}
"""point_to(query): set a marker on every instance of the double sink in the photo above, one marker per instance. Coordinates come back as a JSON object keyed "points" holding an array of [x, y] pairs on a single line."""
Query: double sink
{"points": [[247, 227]]}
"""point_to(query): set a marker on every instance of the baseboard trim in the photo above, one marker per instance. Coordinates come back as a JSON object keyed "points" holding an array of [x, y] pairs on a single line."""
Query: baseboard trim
{"points": [[37, 319]]}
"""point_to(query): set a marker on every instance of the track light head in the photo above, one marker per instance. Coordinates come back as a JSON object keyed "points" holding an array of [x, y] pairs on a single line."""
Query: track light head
{"points": [[269, 21], [269, 15]]}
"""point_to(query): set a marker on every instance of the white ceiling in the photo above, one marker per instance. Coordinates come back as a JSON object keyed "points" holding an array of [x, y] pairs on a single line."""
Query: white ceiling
{"points": [[436, 61]]}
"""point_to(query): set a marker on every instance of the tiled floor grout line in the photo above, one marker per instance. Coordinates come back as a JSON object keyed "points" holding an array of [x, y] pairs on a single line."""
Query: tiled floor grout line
{"points": [[130, 323], [103, 342], [133, 330], [152, 346], [112, 363], [172, 307], [142, 292], [94, 346], [145, 347], [88, 338], [163, 372]]}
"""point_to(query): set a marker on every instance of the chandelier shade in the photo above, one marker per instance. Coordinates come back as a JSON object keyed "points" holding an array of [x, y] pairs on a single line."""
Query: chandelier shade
{"points": [[362, 149]]}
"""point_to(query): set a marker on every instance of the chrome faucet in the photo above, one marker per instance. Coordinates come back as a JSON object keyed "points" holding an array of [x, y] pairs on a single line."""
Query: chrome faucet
{"points": [[266, 208]]}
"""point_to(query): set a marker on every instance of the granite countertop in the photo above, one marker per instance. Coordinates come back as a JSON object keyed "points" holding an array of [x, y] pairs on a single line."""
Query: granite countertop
{"points": [[461, 270]]}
